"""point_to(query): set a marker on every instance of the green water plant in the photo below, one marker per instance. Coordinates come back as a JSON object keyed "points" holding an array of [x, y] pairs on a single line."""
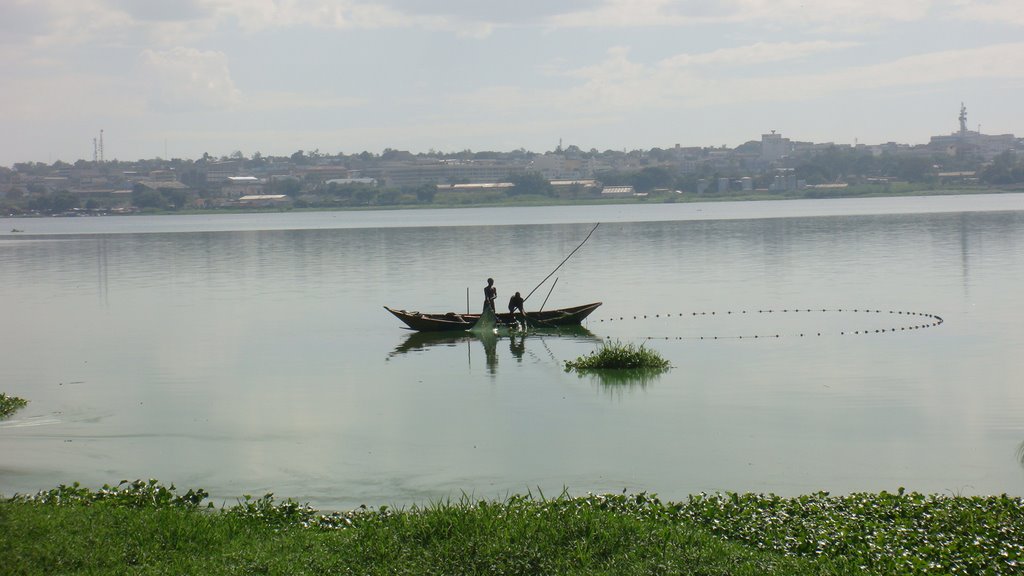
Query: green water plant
{"points": [[145, 527], [125, 494], [73, 530], [883, 533], [10, 404], [619, 356]]}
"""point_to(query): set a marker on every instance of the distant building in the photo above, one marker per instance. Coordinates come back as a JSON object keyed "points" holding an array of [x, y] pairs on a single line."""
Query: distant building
{"points": [[558, 167], [571, 186], [774, 147], [217, 171], [162, 185], [403, 174], [238, 186], [970, 143], [478, 187], [323, 173], [784, 180], [264, 200], [617, 191], [344, 181]]}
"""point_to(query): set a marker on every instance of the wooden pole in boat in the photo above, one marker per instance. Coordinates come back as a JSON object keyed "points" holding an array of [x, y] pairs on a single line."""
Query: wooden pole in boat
{"points": [[553, 284], [467, 299], [563, 262]]}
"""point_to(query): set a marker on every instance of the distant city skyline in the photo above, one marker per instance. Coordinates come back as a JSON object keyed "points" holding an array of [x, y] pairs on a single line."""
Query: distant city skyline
{"points": [[175, 80]]}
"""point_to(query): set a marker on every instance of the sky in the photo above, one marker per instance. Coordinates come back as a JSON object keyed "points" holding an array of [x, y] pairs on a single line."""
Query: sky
{"points": [[180, 78]]}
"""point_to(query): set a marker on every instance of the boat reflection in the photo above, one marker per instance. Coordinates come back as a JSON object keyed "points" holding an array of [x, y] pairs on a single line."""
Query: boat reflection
{"points": [[516, 341]]}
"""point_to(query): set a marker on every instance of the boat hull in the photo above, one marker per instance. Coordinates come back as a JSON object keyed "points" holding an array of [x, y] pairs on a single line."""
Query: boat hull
{"points": [[452, 322]]}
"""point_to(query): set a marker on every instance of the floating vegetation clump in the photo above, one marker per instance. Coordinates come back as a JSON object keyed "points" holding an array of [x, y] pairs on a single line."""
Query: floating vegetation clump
{"points": [[9, 404], [619, 356], [134, 494]]}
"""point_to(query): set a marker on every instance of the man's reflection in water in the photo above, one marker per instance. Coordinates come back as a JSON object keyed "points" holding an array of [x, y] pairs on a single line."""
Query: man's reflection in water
{"points": [[517, 346], [490, 352]]}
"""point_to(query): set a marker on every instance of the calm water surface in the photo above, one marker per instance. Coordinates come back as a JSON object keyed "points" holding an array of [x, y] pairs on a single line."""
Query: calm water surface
{"points": [[251, 353]]}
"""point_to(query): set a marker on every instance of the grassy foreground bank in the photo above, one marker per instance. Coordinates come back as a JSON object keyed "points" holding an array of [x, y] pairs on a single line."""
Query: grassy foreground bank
{"points": [[146, 528]]}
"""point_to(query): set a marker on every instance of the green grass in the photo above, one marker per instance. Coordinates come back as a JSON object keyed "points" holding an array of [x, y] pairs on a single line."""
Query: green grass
{"points": [[10, 404], [143, 528], [619, 356], [146, 528]]}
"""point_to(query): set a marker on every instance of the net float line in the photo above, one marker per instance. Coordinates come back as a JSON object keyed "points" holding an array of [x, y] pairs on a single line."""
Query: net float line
{"points": [[922, 320]]}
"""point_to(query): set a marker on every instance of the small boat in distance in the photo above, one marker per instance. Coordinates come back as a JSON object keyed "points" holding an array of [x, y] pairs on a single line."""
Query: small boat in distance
{"points": [[454, 322]]}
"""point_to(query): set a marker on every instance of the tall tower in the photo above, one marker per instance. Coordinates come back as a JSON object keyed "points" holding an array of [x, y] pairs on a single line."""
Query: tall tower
{"points": [[963, 119], [101, 145]]}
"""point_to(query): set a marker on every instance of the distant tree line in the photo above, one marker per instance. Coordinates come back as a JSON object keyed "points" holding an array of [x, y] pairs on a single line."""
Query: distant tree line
{"points": [[656, 171]]}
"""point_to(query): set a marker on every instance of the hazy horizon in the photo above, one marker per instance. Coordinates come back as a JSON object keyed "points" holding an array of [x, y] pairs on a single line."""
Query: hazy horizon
{"points": [[175, 80]]}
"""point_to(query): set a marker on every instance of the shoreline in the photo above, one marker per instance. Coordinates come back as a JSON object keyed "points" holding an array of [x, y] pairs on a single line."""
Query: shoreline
{"points": [[524, 202]]}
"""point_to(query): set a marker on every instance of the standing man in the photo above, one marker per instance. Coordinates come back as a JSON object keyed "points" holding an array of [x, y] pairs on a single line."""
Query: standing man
{"points": [[490, 294]]}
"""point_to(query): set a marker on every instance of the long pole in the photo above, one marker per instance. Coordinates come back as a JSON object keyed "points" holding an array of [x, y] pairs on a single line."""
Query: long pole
{"points": [[542, 304], [563, 262]]}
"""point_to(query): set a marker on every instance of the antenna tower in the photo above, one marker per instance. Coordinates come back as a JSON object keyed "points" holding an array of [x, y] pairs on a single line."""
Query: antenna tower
{"points": [[963, 119], [101, 145], [95, 151]]}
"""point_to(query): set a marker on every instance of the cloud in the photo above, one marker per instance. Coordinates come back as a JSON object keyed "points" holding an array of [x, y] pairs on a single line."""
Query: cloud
{"points": [[618, 85], [995, 11], [275, 101], [61, 99], [161, 10], [60, 23], [996, 62], [837, 14], [56, 23], [40, 25], [20, 20], [617, 82], [758, 53], [259, 15], [184, 79]]}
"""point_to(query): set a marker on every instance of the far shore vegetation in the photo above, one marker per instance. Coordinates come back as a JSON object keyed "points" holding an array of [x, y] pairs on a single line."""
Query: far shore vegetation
{"points": [[145, 527], [570, 176], [500, 200], [68, 206]]}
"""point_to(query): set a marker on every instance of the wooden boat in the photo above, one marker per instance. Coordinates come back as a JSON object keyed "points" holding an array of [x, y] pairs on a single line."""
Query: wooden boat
{"points": [[453, 322]]}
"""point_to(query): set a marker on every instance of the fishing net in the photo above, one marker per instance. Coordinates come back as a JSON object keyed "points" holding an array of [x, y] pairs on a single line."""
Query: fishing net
{"points": [[487, 323]]}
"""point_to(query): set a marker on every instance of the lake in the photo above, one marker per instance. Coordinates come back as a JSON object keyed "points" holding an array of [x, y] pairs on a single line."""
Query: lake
{"points": [[838, 345]]}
